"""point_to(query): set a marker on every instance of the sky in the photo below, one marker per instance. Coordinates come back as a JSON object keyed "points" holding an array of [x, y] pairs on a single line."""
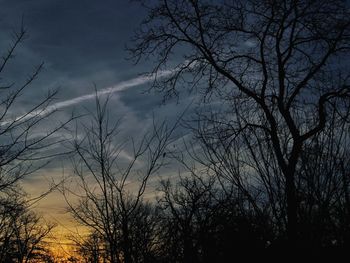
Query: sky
{"points": [[82, 44]]}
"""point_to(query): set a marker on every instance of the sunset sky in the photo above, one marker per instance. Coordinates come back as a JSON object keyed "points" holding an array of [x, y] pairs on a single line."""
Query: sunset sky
{"points": [[82, 44], [173, 131]]}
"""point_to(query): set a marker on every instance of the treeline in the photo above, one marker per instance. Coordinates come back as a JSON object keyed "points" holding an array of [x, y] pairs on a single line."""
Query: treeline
{"points": [[268, 166], [198, 219], [229, 196], [22, 232]]}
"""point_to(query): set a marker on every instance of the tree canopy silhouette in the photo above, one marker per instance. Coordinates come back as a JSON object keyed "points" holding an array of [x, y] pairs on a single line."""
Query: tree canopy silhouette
{"points": [[277, 67]]}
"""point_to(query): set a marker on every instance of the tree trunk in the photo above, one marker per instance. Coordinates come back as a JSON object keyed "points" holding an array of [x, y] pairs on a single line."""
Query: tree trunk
{"points": [[126, 241], [291, 196], [292, 220]]}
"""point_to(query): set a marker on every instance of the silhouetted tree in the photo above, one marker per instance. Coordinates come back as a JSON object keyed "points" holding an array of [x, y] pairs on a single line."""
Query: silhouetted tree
{"points": [[323, 187], [202, 223], [23, 150], [106, 205], [22, 232], [91, 248], [280, 62], [21, 146]]}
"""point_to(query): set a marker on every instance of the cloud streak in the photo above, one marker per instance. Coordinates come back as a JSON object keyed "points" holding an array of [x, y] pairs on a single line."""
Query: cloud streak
{"points": [[124, 85]]}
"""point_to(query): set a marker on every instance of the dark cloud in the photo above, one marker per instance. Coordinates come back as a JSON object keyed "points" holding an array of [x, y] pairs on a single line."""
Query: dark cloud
{"points": [[82, 43]]}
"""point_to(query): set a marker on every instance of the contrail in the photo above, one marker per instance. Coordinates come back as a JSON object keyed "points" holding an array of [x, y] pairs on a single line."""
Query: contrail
{"points": [[115, 88]]}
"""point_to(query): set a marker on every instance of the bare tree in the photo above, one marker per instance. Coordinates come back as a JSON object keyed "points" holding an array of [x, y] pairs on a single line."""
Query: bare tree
{"points": [[200, 222], [244, 164], [112, 181], [187, 210], [280, 62], [248, 165], [21, 146], [91, 248], [22, 232], [323, 187]]}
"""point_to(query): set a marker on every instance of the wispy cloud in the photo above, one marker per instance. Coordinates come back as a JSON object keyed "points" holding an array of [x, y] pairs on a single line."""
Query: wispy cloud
{"points": [[124, 85], [109, 90]]}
